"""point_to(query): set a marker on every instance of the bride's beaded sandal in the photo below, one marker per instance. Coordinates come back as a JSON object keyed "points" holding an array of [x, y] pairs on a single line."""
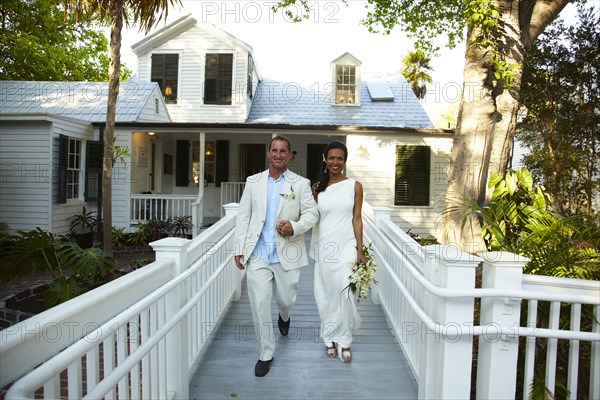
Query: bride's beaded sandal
{"points": [[331, 351], [346, 355]]}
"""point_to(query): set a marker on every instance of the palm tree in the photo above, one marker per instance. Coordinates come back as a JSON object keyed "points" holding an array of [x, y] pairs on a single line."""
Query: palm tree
{"points": [[146, 13], [416, 71]]}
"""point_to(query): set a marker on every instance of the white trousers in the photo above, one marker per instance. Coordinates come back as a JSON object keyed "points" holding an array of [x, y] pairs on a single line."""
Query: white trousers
{"points": [[263, 279]]}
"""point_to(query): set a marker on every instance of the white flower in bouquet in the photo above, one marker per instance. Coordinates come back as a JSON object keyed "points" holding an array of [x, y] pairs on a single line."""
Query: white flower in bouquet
{"points": [[362, 275]]}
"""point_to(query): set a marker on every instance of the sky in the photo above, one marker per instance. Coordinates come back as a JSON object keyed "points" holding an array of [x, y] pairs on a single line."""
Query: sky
{"points": [[302, 52]]}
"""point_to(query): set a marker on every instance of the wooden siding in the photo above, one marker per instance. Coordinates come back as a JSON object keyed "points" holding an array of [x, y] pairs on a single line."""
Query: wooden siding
{"points": [[149, 114], [372, 162], [61, 213], [121, 186], [192, 46], [28, 175]]}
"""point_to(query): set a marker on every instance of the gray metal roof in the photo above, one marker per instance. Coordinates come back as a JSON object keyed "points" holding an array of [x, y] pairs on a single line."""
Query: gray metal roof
{"points": [[81, 100], [289, 103]]}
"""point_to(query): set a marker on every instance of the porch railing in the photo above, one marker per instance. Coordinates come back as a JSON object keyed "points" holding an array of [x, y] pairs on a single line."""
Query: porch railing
{"points": [[231, 192], [145, 207], [428, 294], [139, 336]]}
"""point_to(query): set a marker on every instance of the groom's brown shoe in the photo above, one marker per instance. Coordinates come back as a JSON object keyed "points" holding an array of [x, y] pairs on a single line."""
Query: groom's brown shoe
{"points": [[284, 326], [262, 368]]}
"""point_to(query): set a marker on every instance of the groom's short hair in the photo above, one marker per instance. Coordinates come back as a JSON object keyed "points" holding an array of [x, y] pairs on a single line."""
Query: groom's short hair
{"points": [[281, 138]]}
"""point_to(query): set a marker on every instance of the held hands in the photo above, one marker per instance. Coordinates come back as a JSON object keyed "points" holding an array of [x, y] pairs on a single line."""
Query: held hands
{"points": [[284, 228]]}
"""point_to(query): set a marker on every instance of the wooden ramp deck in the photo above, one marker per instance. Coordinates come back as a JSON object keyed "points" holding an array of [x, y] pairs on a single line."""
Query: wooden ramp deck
{"points": [[300, 369]]}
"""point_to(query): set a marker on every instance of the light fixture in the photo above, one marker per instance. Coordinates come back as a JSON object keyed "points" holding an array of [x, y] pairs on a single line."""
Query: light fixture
{"points": [[168, 91], [151, 133], [341, 100], [208, 153]]}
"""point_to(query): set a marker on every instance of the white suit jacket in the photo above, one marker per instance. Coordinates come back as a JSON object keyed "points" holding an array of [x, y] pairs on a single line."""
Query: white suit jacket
{"points": [[296, 205]]}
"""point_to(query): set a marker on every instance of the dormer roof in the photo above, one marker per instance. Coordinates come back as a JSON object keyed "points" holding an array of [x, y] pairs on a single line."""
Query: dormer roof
{"points": [[183, 24], [347, 58]]}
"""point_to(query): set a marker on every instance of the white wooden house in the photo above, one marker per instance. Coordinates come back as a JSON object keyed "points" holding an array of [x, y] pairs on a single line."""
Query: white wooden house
{"points": [[213, 115]]}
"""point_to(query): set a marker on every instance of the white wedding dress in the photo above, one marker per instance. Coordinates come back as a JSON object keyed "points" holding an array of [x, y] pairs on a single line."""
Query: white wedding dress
{"points": [[334, 246]]}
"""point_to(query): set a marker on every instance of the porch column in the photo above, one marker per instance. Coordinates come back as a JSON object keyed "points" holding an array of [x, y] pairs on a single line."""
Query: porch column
{"points": [[498, 353], [198, 205]]}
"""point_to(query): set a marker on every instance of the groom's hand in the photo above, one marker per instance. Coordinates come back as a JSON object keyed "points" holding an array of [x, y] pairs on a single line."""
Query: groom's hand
{"points": [[238, 262]]}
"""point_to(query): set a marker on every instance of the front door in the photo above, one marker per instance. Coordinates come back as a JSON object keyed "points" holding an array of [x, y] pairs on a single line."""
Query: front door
{"points": [[252, 159]]}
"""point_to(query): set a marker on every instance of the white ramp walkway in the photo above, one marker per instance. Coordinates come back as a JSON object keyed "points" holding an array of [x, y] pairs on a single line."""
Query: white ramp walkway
{"points": [[301, 370]]}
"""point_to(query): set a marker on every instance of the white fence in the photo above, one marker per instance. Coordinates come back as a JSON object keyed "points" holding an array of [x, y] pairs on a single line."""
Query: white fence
{"points": [[138, 337], [429, 295], [145, 207]]}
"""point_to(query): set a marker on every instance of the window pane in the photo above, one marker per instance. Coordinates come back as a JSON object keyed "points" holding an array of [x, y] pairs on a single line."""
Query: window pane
{"points": [[165, 71]]}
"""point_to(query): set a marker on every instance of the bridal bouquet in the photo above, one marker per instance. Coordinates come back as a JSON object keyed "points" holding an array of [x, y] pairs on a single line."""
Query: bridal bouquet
{"points": [[362, 276]]}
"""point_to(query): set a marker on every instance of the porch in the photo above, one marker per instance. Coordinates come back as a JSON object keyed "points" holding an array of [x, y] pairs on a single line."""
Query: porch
{"points": [[177, 329], [152, 206]]}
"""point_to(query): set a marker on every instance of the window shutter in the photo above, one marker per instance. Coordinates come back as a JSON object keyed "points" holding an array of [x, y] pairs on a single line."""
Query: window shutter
{"points": [[222, 162], [182, 163], [412, 175], [93, 170], [63, 164]]}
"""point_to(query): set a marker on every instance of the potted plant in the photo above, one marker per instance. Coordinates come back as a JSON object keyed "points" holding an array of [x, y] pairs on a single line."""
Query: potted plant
{"points": [[82, 228]]}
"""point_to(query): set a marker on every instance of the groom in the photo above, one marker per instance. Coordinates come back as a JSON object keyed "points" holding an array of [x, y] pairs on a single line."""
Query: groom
{"points": [[277, 207]]}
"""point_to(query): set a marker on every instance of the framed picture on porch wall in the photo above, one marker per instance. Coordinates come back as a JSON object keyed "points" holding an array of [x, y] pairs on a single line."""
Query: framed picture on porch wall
{"points": [[168, 164]]}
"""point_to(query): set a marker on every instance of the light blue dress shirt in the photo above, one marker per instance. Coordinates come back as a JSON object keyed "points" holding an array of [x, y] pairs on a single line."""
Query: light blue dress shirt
{"points": [[265, 247]]}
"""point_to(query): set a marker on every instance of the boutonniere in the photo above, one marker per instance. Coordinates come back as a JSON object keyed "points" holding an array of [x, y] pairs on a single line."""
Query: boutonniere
{"points": [[289, 196]]}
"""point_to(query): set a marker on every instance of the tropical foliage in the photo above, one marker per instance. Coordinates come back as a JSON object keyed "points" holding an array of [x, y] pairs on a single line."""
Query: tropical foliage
{"points": [[519, 220], [560, 99], [38, 43], [74, 270], [417, 69]]}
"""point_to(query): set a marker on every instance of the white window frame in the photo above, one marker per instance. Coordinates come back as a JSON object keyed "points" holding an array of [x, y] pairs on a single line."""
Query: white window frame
{"points": [[74, 169]]}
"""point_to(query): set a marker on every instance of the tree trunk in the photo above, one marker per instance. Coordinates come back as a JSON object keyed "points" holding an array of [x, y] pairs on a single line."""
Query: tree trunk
{"points": [[487, 118], [484, 134], [116, 18]]}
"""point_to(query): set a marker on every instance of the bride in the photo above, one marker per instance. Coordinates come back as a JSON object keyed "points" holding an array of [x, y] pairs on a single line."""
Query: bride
{"points": [[337, 241]]}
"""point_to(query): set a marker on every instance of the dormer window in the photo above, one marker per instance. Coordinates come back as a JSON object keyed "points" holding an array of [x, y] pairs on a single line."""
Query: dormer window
{"points": [[165, 69], [345, 84], [346, 77], [218, 79]]}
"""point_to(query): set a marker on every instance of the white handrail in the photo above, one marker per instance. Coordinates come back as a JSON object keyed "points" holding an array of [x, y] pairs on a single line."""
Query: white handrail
{"points": [[477, 330], [508, 293]]}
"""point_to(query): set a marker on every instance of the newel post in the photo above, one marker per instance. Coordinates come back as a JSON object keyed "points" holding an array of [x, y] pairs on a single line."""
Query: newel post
{"points": [[380, 214], [231, 210], [178, 377], [498, 352], [445, 367]]}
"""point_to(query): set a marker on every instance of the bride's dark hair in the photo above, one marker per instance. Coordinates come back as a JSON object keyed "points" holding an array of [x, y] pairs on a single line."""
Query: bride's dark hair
{"points": [[320, 183]]}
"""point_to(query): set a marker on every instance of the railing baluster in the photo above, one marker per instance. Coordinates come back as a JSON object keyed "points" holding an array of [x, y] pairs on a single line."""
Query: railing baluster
{"points": [[573, 369], [74, 380], [92, 371], [595, 358], [532, 308], [552, 348]]}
